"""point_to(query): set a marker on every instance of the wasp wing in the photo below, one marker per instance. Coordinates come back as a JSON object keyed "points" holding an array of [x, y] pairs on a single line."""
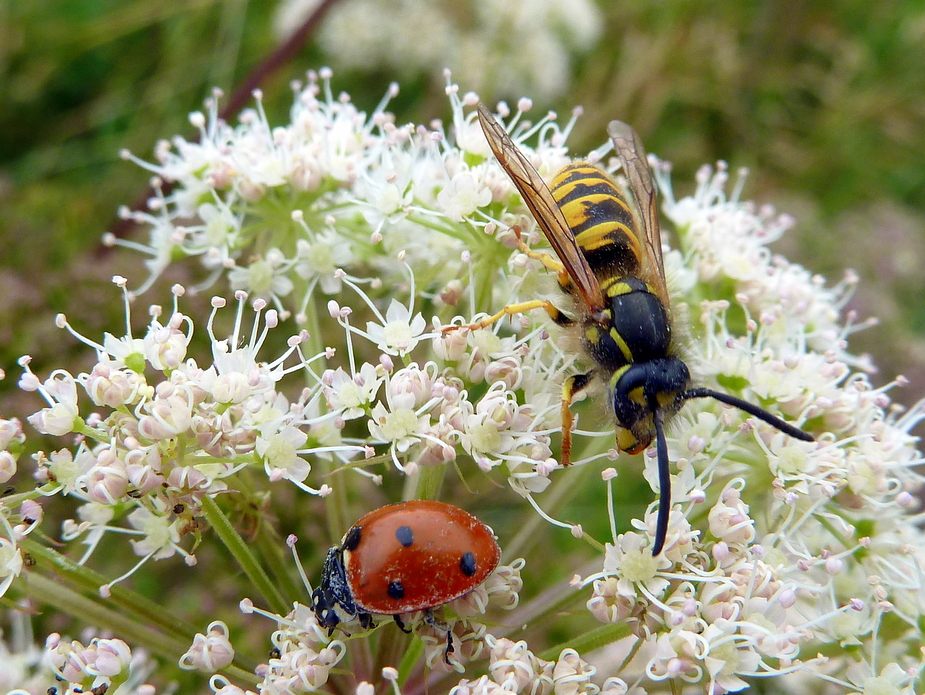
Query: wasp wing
{"points": [[638, 175], [546, 212]]}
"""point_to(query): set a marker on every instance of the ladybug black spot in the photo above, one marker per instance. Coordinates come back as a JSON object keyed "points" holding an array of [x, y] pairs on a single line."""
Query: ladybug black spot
{"points": [[396, 590], [467, 564], [405, 535], [352, 539]]}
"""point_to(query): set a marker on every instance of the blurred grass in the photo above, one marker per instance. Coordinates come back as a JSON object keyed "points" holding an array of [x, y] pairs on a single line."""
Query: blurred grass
{"points": [[824, 102]]}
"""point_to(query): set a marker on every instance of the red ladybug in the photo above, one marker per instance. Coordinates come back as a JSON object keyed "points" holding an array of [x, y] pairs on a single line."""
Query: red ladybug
{"points": [[402, 558]]}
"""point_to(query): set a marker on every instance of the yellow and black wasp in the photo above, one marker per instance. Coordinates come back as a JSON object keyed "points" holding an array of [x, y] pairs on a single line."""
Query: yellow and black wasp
{"points": [[610, 263]]}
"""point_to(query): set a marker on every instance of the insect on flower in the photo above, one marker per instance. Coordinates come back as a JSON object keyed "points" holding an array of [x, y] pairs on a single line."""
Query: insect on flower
{"points": [[406, 557], [609, 262]]}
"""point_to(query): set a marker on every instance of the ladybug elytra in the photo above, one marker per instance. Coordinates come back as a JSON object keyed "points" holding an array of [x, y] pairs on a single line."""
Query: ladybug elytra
{"points": [[402, 558]]}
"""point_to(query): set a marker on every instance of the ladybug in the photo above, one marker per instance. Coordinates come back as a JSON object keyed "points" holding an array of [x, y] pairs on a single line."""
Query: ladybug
{"points": [[402, 558]]}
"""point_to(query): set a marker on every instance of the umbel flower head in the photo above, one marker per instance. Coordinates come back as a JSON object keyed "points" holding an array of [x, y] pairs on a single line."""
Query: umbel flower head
{"points": [[799, 563]]}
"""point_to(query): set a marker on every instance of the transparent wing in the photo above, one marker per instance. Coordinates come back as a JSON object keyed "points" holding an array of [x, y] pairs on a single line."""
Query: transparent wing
{"points": [[638, 175], [538, 197]]}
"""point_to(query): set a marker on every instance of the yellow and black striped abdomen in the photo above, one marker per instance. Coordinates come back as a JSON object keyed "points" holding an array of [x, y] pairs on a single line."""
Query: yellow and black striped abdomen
{"points": [[600, 219]]}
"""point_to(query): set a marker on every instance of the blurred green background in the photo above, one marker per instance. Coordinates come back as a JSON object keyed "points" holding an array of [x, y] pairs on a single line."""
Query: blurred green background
{"points": [[824, 102]]}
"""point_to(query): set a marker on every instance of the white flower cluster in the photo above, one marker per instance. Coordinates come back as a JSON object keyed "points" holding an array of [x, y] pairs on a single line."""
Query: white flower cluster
{"points": [[170, 431], [802, 547], [513, 668], [358, 191], [784, 559], [102, 666], [500, 46]]}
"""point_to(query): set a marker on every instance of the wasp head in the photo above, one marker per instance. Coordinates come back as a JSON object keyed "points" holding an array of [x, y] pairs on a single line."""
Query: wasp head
{"points": [[642, 389]]}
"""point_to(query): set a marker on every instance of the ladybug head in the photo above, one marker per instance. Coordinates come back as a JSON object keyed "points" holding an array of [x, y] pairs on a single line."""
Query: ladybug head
{"points": [[333, 593]]}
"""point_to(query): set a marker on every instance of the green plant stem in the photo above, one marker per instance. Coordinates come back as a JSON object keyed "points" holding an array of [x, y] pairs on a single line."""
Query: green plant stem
{"points": [[105, 614], [245, 557], [271, 551], [272, 548], [413, 654], [129, 603], [426, 483], [590, 641], [111, 615]]}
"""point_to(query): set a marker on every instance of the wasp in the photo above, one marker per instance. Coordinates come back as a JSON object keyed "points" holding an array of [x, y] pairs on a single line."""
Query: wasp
{"points": [[608, 260]]}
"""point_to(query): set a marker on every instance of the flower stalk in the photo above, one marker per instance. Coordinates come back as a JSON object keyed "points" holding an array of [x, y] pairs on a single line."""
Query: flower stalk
{"points": [[246, 559]]}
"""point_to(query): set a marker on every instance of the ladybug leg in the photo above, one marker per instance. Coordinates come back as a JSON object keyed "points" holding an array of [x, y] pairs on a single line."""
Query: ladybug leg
{"points": [[432, 621], [449, 647], [401, 626]]}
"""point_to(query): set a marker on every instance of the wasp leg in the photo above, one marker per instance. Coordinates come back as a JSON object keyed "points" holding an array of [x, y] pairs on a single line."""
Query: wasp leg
{"points": [[549, 261], [574, 385], [519, 308]]}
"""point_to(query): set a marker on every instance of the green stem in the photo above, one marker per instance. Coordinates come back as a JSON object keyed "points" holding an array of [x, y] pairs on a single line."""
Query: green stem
{"points": [[271, 551], [128, 603], [413, 654], [272, 548], [105, 614], [426, 483], [485, 281], [245, 557], [590, 641], [111, 615], [314, 344]]}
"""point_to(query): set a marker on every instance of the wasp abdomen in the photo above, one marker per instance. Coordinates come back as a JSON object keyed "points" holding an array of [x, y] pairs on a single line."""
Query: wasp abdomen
{"points": [[599, 218]]}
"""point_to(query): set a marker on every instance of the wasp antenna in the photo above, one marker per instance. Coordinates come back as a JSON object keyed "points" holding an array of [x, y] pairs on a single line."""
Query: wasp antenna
{"points": [[751, 409], [664, 483]]}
